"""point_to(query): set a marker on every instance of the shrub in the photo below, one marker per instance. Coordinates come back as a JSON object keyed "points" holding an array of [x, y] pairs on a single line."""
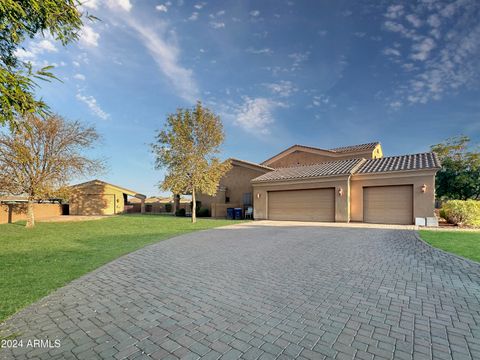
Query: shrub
{"points": [[203, 212], [461, 212], [181, 212], [168, 208]]}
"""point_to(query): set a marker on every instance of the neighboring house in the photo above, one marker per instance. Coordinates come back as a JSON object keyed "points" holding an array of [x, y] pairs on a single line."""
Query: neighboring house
{"points": [[97, 197], [353, 183], [235, 189], [14, 208], [157, 204]]}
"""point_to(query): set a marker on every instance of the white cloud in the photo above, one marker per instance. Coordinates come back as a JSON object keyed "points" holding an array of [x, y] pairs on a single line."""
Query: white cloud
{"points": [[217, 24], [91, 4], [282, 88], [255, 13], [35, 49], [80, 77], [394, 11], [422, 49], [88, 37], [194, 16], [124, 5], [167, 56], [298, 58], [161, 8], [390, 51], [92, 104], [256, 115], [319, 100], [414, 20], [266, 51], [200, 6], [445, 53]]}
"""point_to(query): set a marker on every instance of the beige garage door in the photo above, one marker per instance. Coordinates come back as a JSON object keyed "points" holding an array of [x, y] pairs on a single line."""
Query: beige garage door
{"points": [[302, 205], [96, 204], [388, 204]]}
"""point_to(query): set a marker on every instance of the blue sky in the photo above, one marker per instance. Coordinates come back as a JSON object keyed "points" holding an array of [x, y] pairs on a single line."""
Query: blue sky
{"points": [[323, 73]]}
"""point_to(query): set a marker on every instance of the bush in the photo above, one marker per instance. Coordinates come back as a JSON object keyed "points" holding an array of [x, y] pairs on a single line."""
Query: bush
{"points": [[168, 208], [203, 212], [461, 212], [181, 213]]}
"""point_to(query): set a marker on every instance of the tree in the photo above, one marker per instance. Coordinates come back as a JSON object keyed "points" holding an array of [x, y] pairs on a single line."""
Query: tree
{"points": [[459, 177], [187, 147], [19, 20], [38, 160]]}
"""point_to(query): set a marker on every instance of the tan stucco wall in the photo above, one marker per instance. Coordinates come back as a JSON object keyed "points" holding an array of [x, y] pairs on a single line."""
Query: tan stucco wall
{"points": [[306, 158], [260, 195], [96, 199], [237, 181], [423, 203]]}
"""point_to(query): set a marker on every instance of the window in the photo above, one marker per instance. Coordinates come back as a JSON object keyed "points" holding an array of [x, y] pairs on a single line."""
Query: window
{"points": [[227, 199], [247, 199]]}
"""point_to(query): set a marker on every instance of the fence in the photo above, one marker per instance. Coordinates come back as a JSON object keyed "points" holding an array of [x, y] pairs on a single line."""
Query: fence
{"points": [[15, 212]]}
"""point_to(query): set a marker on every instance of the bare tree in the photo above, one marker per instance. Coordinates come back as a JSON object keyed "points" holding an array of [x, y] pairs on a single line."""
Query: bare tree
{"points": [[39, 159]]}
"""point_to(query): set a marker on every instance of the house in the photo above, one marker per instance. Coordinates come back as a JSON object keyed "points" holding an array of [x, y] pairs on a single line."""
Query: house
{"points": [[235, 188], [351, 183], [97, 197], [158, 204]]}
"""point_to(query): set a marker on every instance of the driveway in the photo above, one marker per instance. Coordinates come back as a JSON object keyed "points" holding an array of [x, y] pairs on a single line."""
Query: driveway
{"points": [[258, 291]]}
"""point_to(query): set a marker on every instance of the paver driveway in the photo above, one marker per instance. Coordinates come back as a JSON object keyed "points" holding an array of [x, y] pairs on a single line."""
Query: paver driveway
{"points": [[271, 292]]}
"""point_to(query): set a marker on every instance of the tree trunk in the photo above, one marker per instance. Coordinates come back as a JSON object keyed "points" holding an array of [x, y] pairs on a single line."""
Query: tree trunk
{"points": [[30, 214], [194, 208]]}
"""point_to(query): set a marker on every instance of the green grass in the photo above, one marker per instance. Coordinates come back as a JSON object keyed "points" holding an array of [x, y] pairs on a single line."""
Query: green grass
{"points": [[463, 243], [34, 262]]}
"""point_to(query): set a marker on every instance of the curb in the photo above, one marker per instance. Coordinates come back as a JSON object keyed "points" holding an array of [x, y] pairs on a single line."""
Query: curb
{"points": [[419, 238]]}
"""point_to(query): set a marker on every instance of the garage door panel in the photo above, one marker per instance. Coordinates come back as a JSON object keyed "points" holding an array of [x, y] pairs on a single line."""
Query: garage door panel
{"points": [[302, 205], [388, 204]]}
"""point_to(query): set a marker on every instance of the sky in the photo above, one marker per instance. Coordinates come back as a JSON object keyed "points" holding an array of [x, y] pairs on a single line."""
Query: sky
{"points": [[317, 73]]}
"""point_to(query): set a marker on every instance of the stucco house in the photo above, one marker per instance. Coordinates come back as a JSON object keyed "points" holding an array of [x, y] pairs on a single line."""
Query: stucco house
{"points": [[97, 197], [351, 183]]}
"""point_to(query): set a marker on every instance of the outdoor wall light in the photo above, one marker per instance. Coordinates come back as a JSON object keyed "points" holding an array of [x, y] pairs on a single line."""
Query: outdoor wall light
{"points": [[259, 195], [340, 191], [424, 188]]}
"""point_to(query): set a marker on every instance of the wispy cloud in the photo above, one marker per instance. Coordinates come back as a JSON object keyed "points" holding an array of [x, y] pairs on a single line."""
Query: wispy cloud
{"points": [[200, 5], [194, 16], [217, 24], [92, 104], [255, 115], [444, 50], [163, 46], [89, 37], [35, 50], [282, 88], [266, 51], [161, 8], [298, 59], [255, 13], [79, 76]]}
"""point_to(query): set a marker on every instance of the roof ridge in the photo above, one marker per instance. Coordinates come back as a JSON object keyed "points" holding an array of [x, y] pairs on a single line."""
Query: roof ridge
{"points": [[319, 163], [252, 163]]}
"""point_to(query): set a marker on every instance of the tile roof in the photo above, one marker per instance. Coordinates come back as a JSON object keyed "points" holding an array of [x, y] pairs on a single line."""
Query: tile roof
{"points": [[399, 163], [353, 148], [251, 163], [331, 168]]}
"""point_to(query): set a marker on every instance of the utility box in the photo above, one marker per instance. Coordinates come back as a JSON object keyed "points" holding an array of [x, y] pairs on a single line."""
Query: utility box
{"points": [[419, 221], [432, 221]]}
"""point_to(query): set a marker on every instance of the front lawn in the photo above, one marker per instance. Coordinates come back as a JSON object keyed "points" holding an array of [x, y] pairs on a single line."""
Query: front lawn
{"points": [[463, 243], [34, 262]]}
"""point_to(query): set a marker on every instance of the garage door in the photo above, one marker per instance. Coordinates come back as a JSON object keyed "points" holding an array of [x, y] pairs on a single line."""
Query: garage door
{"points": [[388, 204], [302, 205]]}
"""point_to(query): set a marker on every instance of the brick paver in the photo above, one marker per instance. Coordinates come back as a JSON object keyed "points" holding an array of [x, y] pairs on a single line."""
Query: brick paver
{"points": [[262, 292]]}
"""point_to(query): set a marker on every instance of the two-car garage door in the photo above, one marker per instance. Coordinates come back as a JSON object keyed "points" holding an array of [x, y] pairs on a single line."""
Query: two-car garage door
{"points": [[388, 204], [302, 205]]}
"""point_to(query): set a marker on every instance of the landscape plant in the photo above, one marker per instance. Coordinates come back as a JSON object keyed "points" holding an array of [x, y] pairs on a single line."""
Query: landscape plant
{"points": [[187, 147], [60, 20], [462, 212], [40, 159]]}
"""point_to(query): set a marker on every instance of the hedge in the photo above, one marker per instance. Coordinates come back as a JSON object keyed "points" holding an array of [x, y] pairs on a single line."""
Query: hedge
{"points": [[461, 212]]}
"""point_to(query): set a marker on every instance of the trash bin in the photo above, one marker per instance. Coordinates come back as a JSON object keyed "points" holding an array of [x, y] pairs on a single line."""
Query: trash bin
{"points": [[230, 213], [238, 214]]}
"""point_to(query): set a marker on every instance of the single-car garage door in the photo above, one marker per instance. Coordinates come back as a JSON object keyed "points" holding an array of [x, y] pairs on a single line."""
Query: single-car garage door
{"points": [[388, 204], [302, 205]]}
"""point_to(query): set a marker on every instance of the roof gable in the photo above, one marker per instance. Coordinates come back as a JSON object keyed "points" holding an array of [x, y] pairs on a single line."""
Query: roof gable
{"points": [[335, 152], [103, 183]]}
